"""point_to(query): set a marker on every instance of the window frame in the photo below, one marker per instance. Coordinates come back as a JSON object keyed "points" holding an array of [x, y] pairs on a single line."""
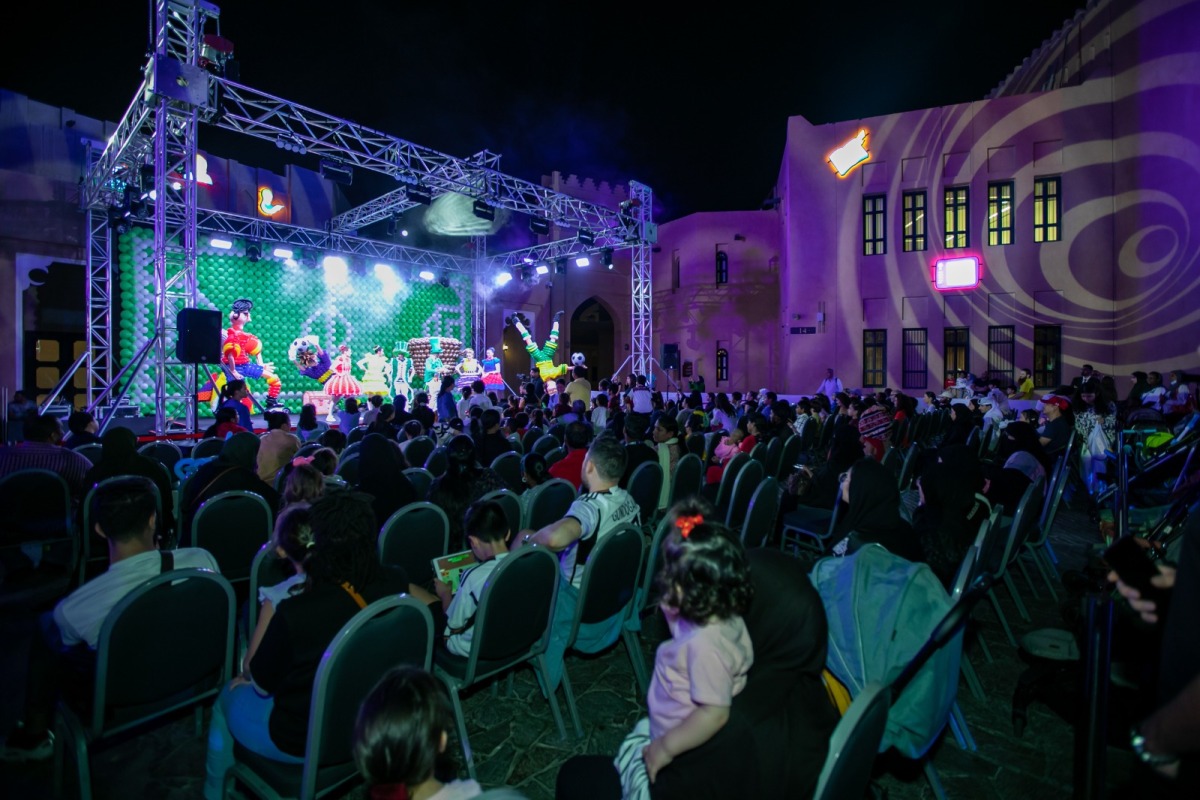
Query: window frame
{"points": [[722, 266], [915, 347], [874, 220], [1002, 339], [1041, 341], [956, 216], [722, 365], [914, 216], [875, 344], [949, 374], [1047, 204], [1000, 223]]}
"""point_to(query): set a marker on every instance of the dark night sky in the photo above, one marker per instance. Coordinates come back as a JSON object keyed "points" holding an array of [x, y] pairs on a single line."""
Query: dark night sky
{"points": [[693, 104]]}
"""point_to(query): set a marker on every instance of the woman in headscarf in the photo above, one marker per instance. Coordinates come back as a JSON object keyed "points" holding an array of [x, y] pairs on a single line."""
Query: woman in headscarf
{"points": [[381, 475], [825, 483], [951, 510], [1020, 460], [119, 456], [962, 421], [464, 482], [234, 469], [873, 513]]}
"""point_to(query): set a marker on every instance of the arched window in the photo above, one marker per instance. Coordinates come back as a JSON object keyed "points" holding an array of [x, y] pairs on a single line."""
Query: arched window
{"points": [[722, 364], [722, 267]]}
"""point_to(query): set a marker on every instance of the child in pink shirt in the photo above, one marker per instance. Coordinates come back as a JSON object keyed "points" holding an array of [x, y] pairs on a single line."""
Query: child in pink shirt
{"points": [[705, 588]]}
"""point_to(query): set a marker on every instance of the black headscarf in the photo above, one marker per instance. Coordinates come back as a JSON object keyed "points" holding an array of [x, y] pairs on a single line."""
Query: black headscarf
{"points": [[962, 421], [948, 521], [381, 475], [119, 456], [241, 450], [874, 511]]}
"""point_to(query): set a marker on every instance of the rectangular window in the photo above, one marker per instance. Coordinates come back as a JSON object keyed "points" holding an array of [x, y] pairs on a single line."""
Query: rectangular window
{"points": [[722, 365], [1047, 355], [915, 226], [722, 267], [916, 358], [1047, 210], [957, 217], [1000, 213], [874, 357], [874, 225], [956, 343], [1002, 342]]}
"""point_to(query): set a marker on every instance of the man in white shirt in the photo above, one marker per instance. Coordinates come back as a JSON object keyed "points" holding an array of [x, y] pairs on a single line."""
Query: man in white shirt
{"points": [[830, 386], [602, 508], [642, 396], [125, 517], [478, 398]]}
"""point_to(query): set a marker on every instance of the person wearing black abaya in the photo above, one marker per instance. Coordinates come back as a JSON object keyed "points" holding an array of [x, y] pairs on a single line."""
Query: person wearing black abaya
{"points": [[873, 513], [951, 510], [962, 422], [381, 475], [235, 468], [119, 456], [1020, 460]]}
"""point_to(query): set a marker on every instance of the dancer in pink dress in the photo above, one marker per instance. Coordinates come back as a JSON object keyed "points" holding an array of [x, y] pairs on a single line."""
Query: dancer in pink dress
{"points": [[342, 384]]}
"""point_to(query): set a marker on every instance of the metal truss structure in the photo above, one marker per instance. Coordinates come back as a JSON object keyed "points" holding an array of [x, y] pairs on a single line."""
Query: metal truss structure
{"points": [[151, 159]]}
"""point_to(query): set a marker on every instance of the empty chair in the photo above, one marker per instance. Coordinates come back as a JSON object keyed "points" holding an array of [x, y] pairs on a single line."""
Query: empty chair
{"points": [[645, 486], [854, 745], [37, 522], [527, 580], [688, 479], [1037, 547], [349, 450], [792, 448], [165, 453], [508, 467], [748, 479], [893, 461], [356, 434], [233, 526], [1022, 525], [728, 476], [774, 455], [761, 514], [414, 536], [421, 479], [646, 600], [908, 466], [549, 503], [809, 528], [531, 436]]}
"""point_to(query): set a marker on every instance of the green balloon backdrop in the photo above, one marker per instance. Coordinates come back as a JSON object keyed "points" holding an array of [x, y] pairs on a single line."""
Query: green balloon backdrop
{"points": [[289, 301]]}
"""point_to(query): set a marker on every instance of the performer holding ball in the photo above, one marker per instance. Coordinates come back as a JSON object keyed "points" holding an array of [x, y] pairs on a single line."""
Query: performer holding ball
{"points": [[543, 357]]}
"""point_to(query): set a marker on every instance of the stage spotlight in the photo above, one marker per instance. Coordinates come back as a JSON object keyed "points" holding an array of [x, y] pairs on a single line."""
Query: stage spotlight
{"points": [[253, 253], [283, 252], [389, 281], [391, 226], [482, 210], [586, 237], [542, 269], [420, 194], [582, 261], [426, 275], [606, 257], [560, 266], [337, 172], [219, 243], [503, 278], [539, 226], [444, 280], [337, 273], [527, 276], [403, 232], [116, 218]]}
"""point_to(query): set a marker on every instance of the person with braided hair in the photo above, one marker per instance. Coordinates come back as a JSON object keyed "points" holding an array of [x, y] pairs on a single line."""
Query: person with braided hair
{"points": [[543, 357]]}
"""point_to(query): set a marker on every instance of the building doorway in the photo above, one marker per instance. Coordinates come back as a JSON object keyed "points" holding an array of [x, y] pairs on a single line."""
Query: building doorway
{"points": [[593, 333]]}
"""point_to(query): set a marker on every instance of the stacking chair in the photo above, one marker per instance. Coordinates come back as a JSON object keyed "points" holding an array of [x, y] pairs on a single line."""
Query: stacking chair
{"points": [[438, 462], [515, 441], [697, 445], [91, 452], [894, 461], [349, 450], [646, 600], [759, 453], [511, 505], [208, 448], [166, 646], [559, 432], [392, 631], [967, 572], [688, 479], [759, 524], [531, 436], [267, 569], [549, 504], [809, 530], [748, 479], [417, 450], [232, 526], [508, 466], [908, 466], [94, 550], [356, 434], [1037, 547], [993, 545], [1022, 524], [37, 520], [853, 746], [555, 455], [348, 469], [527, 580], [165, 452], [545, 444], [774, 455], [826, 433], [728, 477], [792, 448], [412, 537], [645, 485], [421, 479], [608, 589]]}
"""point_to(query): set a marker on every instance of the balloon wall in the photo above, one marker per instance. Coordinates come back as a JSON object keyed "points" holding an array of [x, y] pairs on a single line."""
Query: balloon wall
{"points": [[357, 304]]}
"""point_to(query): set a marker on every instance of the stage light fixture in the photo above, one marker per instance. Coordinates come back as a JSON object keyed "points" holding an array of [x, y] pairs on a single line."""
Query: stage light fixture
{"points": [[336, 172], [503, 278], [542, 269], [527, 276], [582, 261], [420, 194], [283, 252], [560, 266], [484, 211], [253, 253], [403, 232], [390, 230], [606, 257], [426, 275], [586, 237], [219, 243], [291, 143], [539, 226], [444, 280]]}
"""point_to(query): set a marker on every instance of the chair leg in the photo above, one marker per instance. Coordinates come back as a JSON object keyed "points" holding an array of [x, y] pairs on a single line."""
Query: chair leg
{"points": [[552, 697], [1003, 619], [1028, 581], [935, 781], [572, 708], [636, 661], [972, 679], [463, 741], [1039, 561], [965, 730], [952, 722], [1016, 596], [1050, 551]]}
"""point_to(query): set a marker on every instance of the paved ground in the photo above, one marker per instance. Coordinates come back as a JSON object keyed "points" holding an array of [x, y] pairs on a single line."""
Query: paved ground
{"points": [[516, 744]]}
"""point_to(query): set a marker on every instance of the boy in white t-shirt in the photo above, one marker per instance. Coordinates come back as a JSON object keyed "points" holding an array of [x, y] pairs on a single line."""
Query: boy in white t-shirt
{"points": [[487, 532]]}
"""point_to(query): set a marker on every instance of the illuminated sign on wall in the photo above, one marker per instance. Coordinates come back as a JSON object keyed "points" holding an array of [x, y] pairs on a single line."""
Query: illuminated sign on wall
{"points": [[266, 205], [850, 155], [202, 176], [961, 272]]}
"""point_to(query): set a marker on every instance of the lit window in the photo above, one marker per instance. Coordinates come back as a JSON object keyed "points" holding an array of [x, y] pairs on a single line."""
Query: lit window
{"points": [[955, 204], [874, 357], [1000, 213], [722, 365], [874, 225], [1047, 210], [915, 226]]}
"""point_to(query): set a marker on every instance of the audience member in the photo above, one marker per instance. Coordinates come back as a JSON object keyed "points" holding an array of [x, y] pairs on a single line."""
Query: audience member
{"points": [[492, 444], [950, 509], [234, 468], [374, 403], [1021, 461], [305, 483], [422, 412], [41, 450], [446, 408], [637, 450], [235, 395], [277, 446], [570, 466], [119, 456], [308, 428], [381, 476], [348, 417], [291, 541], [383, 422], [642, 397], [1056, 432], [579, 388], [82, 426], [464, 482], [598, 415], [669, 451], [873, 513], [487, 534], [335, 440], [1024, 385], [19, 408]]}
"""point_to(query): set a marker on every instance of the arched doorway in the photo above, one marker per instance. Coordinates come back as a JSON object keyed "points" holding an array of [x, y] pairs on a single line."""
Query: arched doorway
{"points": [[592, 333]]}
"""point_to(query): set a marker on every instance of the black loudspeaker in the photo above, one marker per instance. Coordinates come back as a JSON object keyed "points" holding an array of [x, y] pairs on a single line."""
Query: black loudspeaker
{"points": [[670, 356], [199, 340]]}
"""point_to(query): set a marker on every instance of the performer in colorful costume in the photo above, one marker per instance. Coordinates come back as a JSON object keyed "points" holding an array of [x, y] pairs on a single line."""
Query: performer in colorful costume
{"points": [[469, 370], [402, 369], [543, 357], [491, 370], [376, 372], [312, 361], [237, 349], [342, 384], [434, 367]]}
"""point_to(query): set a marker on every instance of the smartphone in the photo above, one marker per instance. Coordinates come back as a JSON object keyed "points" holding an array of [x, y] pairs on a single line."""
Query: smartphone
{"points": [[1133, 566]]}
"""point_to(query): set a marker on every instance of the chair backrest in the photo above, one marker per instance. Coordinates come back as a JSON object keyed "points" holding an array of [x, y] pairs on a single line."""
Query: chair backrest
{"points": [[809, 435], [555, 455], [893, 461], [37, 508], [232, 526], [545, 444], [348, 469], [91, 451], [747, 481], [209, 448], [267, 569], [527, 579], [966, 569], [94, 558], [350, 449], [421, 479], [854, 745], [511, 504], [687, 480], [900, 431], [394, 630], [759, 453], [417, 450], [645, 486], [697, 445], [1054, 493], [531, 436], [508, 466], [515, 441], [610, 579], [438, 462], [166, 645], [774, 455], [826, 433], [991, 543], [728, 476], [559, 432], [1023, 522], [760, 518], [414, 536], [355, 434], [550, 504], [791, 451], [165, 453], [908, 467]]}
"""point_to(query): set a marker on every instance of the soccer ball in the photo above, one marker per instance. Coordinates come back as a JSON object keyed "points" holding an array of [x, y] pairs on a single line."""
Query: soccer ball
{"points": [[578, 360]]}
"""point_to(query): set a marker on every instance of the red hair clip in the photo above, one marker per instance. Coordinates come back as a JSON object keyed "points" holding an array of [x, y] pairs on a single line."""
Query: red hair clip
{"points": [[298, 460], [685, 524]]}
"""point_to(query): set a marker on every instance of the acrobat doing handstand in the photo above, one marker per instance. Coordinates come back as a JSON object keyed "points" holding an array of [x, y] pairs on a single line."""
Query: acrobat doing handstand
{"points": [[543, 357]]}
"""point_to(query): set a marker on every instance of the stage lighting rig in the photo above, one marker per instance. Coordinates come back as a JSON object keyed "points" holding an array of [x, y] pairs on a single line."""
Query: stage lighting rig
{"points": [[606, 257], [482, 209], [420, 194], [586, 238], [337, 172], [539, 226]]}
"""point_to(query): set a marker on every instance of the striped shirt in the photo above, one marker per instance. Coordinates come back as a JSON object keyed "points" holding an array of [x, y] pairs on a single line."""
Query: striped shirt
{"points": [[42, 455]]}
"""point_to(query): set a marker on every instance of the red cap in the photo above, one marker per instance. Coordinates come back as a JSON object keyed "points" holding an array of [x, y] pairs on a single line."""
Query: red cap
{"points": [[1054, 400]]}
